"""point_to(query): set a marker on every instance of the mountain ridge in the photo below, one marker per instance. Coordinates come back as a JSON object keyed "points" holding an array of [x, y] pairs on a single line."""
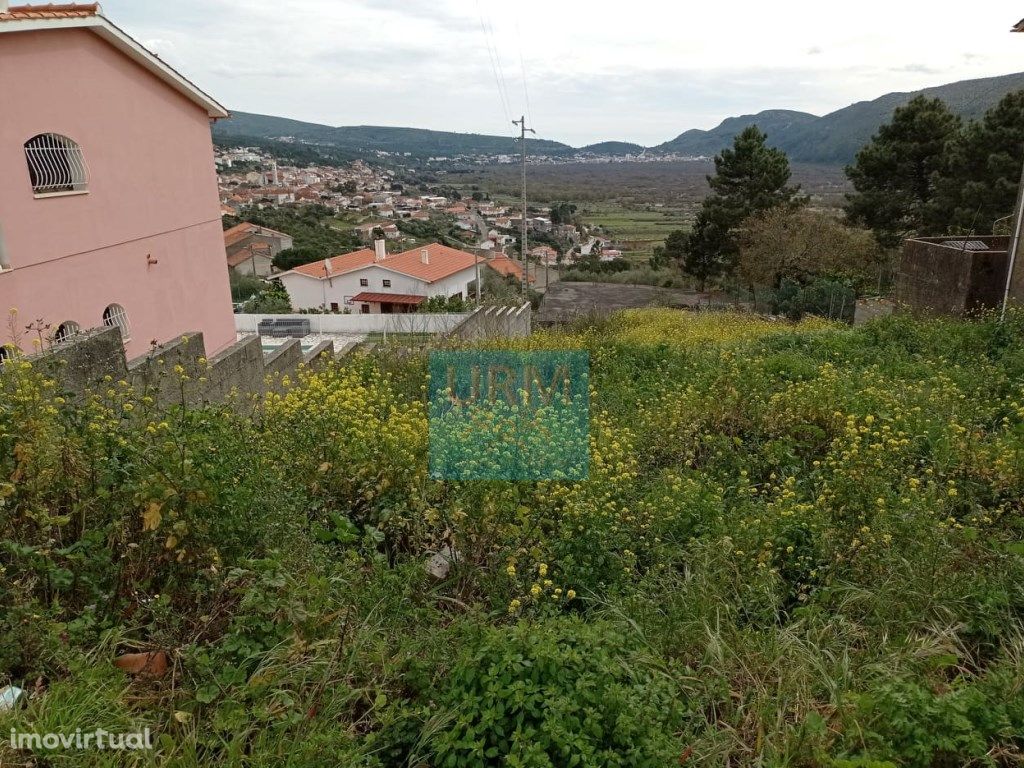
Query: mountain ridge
{"points": [[833, 138]]}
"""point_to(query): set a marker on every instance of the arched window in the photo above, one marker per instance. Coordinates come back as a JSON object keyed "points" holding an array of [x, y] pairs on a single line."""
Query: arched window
{"points": [[55, 164], [6, 352], [114, 316], [65, 331]]}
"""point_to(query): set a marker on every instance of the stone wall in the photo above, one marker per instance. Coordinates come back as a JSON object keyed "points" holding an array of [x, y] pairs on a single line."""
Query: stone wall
{"points": [[178, 371], [80, 363]]}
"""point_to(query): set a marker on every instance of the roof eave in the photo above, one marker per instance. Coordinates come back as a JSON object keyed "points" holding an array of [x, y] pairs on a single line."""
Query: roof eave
{"points": [[127, 45]]}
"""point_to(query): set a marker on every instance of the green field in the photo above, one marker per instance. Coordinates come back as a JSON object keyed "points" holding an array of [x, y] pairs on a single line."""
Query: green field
{"points": [[638, 230]]}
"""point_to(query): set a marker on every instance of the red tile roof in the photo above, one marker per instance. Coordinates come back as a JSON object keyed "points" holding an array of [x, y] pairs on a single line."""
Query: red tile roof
{"points": [[336, 265], [442, 261], [243, 230], [51, 11], [389, 298], [507, 267]]}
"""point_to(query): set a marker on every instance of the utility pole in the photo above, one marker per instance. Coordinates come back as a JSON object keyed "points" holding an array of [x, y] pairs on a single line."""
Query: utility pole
{"points": [[521, 122]]}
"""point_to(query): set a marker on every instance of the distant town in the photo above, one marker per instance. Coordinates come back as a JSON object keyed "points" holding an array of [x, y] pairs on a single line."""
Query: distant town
{"points": [[384, 216]]}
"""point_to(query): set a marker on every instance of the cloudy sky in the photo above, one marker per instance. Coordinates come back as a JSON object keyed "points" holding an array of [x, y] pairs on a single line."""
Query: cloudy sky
{"points": [[643, 70]]}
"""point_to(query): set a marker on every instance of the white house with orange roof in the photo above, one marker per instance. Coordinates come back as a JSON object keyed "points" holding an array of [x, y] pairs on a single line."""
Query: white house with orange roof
{"points": [[372, 281]]}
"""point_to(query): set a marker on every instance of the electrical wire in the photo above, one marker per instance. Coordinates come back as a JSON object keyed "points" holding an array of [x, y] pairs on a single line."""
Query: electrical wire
{"points": [[496, 69]]}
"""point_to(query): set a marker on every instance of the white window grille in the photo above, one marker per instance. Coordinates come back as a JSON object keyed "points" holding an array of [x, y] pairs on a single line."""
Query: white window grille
{"points": [[114, 316], [55, 164], [65, 331]]}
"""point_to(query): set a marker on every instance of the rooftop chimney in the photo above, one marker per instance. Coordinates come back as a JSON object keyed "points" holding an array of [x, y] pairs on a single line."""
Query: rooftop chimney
{"points": [[379, 250], [327, 261], [425, 256], [3, 6]]}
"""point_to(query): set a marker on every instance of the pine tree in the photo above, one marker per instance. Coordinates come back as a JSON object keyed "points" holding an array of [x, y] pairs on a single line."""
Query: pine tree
{"points": [[977, 182], [893, 174], [751, 177]]}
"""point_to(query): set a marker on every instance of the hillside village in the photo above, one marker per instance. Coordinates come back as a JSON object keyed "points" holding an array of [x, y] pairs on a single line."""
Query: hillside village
{"points": [[379, 461], [250, 180]]}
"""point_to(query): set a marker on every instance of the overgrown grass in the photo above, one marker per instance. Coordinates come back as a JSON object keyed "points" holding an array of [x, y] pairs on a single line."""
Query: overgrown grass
{"points": [[799, 545]]}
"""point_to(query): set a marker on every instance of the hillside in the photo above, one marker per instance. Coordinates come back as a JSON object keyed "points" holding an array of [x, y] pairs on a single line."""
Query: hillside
{"points": [[612, 148], [832, 139], [792, 544], [367, 139], [836, 137], [775, 122]]}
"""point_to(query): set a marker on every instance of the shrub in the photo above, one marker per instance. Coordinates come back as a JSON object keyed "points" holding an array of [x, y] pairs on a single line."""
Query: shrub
{"points": [[558, 693]]}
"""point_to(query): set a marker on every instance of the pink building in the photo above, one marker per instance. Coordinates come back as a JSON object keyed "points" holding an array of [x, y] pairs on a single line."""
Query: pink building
{"points": [[109, 211]]}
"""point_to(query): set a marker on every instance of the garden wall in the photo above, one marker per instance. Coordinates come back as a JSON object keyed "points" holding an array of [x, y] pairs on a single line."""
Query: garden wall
{"points": [[84, 362], [952, 276], [490, 322]]}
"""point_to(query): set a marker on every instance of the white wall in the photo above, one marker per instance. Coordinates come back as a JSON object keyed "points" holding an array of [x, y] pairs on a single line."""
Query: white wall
{"points": [[311, 293], [353, 324], [264, 266]]}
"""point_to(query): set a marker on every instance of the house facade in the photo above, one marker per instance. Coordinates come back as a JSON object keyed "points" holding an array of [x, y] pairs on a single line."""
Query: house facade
{"points": [[250, 248], [109, 210], [371, 281]]}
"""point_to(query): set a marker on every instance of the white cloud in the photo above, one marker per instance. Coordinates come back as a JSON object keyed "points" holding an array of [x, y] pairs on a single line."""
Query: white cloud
{"points": [[640, 71]]}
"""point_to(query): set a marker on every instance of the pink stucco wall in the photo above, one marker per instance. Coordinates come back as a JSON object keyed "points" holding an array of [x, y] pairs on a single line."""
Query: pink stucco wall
{"points": [[152, 193]]}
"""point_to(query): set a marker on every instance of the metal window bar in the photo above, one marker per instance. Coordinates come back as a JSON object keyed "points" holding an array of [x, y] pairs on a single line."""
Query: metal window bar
{"points": [[114, 316], [65, 331], [55, 164]]}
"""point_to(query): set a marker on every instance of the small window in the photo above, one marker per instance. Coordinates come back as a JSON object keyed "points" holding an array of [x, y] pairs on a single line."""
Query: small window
{"points": [[55, 164], [6, 352], [365, 309], [114, 316], [363, 282], [334, 306], [65, 331], [387, 283]]}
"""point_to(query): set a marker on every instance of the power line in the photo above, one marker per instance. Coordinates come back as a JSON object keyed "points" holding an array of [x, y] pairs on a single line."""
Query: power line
{"points": [[522, 67], [492, 54]]}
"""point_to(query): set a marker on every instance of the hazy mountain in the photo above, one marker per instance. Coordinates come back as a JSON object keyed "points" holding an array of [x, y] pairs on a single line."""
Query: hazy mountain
{"points": [[366, 139], [612, 148], [774, 122], [836, 137]]}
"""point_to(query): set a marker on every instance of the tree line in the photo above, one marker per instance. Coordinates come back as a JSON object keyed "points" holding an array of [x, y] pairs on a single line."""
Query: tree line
{"points": [[923, 173]]}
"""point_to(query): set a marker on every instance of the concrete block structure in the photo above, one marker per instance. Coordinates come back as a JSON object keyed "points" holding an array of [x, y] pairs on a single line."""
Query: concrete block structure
{"points": [[955, 276]]}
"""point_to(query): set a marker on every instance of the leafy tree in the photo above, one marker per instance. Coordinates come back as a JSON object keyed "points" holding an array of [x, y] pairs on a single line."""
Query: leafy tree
{"points": [[309, 226], [749, 178], [800, 245], [270, 301], [676, 245], [977, 182], [290, 258], [562, 213], [244, 286], [893, 175], [659, 257], [478, 196]]}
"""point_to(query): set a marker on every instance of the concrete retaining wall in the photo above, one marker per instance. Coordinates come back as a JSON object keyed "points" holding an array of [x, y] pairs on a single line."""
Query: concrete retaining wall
{"points": [[178, 372], [490, 322]]}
